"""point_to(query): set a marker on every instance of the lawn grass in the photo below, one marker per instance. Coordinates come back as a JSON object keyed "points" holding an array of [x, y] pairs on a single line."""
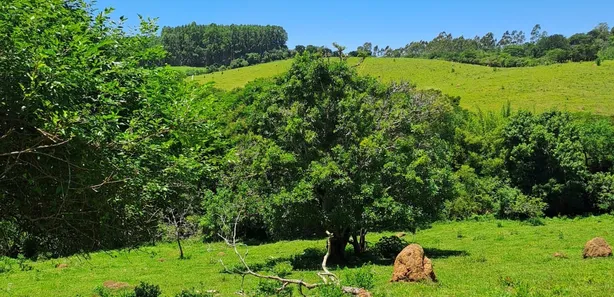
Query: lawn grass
{"points": [[475, 258], [576, 87]]}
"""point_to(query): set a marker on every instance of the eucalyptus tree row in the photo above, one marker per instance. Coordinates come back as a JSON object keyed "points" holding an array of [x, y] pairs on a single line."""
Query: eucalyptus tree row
{"points": [[205, 45]]}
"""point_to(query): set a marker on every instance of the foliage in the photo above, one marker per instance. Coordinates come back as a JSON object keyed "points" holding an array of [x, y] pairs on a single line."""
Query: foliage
{"points": [[147, 290], [96, 140], [362, 277], [389, 247], [282, 269], [322, 148], [207, 45], [330, 290], [271, 288], [511, 50]]}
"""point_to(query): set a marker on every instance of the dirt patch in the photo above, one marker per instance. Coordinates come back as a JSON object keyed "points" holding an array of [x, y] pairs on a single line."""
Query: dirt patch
{"points": [[113, 285], [61, 266], [559, 255]]}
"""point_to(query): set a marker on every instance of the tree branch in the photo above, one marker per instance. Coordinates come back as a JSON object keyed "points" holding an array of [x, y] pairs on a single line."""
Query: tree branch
{"points": [[326, 275]]}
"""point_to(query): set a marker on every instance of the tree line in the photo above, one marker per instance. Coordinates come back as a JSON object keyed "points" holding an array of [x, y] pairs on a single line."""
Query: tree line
{"points": [[228, 46], [100, 148], [512, 49]]}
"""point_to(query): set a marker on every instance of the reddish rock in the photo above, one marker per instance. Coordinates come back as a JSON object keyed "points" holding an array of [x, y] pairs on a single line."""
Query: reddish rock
{"points": [[412, 266], [597, 247]]}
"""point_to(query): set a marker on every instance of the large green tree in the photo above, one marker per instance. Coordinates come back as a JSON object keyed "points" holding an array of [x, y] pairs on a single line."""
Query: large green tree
{"points": [[322, 148]]}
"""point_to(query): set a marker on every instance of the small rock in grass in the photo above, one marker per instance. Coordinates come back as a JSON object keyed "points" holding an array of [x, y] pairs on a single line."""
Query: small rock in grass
{"points": [[61, 266]]}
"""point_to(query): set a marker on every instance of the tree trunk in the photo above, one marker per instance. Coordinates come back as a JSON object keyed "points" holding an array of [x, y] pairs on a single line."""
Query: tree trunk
{"points": [[358, 242], [337, 247], [180, 248]]}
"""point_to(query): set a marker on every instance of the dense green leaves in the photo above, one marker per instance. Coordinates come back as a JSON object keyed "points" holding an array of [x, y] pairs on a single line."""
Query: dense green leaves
{"points": [[512, 50], [216, 45], [94, 141], [325, 149]]}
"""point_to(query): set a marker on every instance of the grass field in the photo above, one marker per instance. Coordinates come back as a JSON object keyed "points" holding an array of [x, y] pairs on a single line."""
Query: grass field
{"points": [[487, 258], [582, 87]]}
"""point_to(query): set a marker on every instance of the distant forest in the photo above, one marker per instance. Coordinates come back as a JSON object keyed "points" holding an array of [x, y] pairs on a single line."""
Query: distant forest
{"points": [[513, 49], [220, 47], [216, 46]]}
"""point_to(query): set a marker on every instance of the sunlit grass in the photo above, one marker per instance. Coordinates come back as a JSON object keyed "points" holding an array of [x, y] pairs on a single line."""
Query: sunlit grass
{"points": [[489, 258], [577, 87]]}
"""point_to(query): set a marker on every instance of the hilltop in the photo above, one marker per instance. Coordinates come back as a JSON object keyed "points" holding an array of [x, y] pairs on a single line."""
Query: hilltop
{"points": [[576, 87]]}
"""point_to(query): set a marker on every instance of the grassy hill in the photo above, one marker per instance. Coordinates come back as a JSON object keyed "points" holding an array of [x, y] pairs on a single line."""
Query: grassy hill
{"points": [[578, 87], [486, 258]]}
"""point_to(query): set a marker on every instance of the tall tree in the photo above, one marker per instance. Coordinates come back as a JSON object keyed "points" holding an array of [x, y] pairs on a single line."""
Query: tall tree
{"points": [[326, 149]]}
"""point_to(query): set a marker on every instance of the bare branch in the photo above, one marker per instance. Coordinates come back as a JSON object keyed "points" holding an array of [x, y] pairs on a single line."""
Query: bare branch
{"points": [[33, 149]]}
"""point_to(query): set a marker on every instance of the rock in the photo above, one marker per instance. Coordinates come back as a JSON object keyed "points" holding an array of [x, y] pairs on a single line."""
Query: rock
{"points": [[412, 266], [364, 293], [113, 285], [597, 247], [400, 234], [61, 266]]}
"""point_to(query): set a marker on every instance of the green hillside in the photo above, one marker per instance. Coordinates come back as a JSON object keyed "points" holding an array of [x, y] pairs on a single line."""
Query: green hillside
{"points": [[490, 258], [583, 87]]}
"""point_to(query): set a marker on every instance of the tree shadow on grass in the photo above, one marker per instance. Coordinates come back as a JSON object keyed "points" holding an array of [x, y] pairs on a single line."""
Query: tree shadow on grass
{"points": [[434, 253], [311, 259]]}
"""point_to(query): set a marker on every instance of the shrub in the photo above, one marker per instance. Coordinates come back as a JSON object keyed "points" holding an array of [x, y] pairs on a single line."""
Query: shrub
{"points": [[330, 291], [389, 247], [282, 269], [361, 278], [515, 204], [238, 63], [147, 290], [601, 187], [271, 288]]}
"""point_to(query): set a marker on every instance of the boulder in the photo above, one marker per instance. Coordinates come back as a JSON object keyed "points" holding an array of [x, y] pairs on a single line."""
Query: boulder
{"points": [[412, 266], [597, 247]]}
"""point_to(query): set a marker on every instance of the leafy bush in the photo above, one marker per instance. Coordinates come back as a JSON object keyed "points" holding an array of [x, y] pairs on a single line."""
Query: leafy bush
{"points": [[330, 291], [389, 247], [282, 269], [362, 277], [237, 63], [147, 290], [607, 53], [271, 288], [601, 187], [516, 205]]}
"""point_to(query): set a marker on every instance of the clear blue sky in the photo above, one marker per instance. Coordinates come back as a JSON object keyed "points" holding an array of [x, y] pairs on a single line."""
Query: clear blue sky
{"points": [[393, 22]]}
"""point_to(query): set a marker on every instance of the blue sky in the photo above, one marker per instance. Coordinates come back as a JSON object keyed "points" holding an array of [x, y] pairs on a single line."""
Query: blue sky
{"points": [[393, 22]]}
